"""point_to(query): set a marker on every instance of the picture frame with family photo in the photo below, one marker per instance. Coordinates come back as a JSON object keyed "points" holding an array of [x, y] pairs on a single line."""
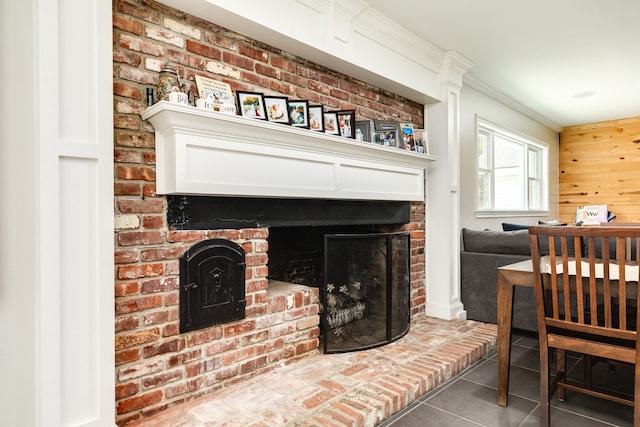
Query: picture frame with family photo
{"points": [[387, 133], [298, 113], [347, 123], [277, 108], [251, 104], [364, 130], [331, 123], [316, 118]]}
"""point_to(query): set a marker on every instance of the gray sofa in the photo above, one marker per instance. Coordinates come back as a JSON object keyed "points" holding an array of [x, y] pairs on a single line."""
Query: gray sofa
{"points": [[483, 252]]}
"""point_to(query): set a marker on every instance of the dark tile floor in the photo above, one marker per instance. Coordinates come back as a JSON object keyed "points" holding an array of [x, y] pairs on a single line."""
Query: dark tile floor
{"points": [[470, 399]]}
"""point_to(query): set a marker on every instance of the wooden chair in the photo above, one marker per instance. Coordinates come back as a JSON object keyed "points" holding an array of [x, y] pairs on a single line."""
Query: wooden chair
{"points": [[587, 302]]}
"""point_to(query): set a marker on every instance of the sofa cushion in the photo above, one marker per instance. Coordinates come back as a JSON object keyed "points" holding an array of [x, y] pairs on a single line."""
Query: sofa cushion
{"points": [[554, 222], [499, 242], [507, 226]]}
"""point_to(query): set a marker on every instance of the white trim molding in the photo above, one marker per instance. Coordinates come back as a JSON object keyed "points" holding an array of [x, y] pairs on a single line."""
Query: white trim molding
{"points": [[485, 89], [348, 36]]}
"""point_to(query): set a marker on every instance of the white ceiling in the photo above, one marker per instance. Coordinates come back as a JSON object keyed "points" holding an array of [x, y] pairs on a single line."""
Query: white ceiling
{"points": [[570, 61]]}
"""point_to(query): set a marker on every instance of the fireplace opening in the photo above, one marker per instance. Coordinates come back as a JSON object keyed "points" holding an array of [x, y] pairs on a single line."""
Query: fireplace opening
{"points": [[354, 252], [212, 290], [362, 273]]}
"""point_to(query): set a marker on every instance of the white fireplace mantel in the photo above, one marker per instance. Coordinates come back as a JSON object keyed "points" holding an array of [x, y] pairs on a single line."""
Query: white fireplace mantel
{"points": [[200, 152]]}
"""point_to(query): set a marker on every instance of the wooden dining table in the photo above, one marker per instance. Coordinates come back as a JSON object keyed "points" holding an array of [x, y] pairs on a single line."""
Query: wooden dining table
{"points": [[509, 276]]}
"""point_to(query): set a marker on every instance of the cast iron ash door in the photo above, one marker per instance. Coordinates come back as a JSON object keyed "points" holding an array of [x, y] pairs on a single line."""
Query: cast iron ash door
{"points": [[212, 289]]}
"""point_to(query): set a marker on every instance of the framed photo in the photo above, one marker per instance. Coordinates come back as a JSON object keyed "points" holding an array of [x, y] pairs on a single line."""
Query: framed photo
{"points": [[387, 132], [316, 115], [364, 130], [408, 136], [213, 89], [347, 123], [420, 141], [299, 113], [276, 108], [251, 104], [331, 123]]}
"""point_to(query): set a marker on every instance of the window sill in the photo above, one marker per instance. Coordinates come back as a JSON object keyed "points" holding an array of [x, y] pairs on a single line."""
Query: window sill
{"points": [[511, 214]]}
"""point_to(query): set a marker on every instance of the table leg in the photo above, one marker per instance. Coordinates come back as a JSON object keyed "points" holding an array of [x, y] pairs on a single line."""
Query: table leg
{"points": [[505, 314]]}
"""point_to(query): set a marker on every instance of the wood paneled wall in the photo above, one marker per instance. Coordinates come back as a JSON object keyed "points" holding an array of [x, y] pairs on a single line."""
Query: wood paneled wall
{"points": [[600, 164]]}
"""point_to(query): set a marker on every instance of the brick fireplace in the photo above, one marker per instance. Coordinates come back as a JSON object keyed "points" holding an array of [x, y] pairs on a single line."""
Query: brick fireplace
{"points": [[157, 367]]}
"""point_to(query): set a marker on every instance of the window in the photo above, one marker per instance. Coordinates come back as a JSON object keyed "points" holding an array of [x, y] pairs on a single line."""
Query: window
{"points": [[512, 172]]}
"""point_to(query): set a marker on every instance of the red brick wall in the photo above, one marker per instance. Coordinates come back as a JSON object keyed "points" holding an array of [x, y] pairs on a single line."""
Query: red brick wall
{"points": [[156, 367]]}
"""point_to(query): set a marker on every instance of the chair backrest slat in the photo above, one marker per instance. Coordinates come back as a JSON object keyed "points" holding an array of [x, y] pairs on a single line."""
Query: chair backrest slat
{"points": [[607, 282], [579, 282], [565, 277], [593, 301]]}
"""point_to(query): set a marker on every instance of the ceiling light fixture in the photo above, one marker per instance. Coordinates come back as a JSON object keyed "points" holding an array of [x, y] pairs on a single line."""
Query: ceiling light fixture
{"points": [[585, 94]]}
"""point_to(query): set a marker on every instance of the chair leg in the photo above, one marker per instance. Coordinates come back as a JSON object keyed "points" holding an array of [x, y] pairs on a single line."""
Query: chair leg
{"points": [[587, 365], [636, 389], [561, 361], [545, 408]]}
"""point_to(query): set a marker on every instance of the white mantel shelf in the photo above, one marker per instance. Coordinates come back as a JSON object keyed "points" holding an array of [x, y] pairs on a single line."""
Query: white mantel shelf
{"points": [[200, 152]]}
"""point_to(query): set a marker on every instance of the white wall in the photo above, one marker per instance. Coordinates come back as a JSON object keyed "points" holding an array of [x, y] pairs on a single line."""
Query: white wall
{"points": [[17, 219], [473, 103]]}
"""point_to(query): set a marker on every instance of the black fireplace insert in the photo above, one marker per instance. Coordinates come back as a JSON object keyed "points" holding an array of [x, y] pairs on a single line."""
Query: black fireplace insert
{"points": [[365, 298]]}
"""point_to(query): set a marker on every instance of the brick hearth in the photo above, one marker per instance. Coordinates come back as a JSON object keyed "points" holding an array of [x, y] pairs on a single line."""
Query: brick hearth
{"points": [[348, 389]]}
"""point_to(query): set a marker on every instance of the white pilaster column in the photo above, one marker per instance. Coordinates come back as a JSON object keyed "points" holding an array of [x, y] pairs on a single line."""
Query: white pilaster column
{"points": [[443, 197], [56, 180]]}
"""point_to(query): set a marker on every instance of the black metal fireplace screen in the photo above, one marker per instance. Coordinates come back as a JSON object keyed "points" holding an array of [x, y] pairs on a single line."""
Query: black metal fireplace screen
{"points": [[365, 300]]}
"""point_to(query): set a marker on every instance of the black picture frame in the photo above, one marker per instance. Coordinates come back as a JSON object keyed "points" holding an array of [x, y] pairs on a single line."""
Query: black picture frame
{"points": [[364, 130], [331, 123], [277, 108], [387, 133], [347, 123], [251, 104], [298, 113], [316, 118]]}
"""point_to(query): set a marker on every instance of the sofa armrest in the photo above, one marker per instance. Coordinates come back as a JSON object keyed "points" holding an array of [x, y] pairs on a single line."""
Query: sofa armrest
{"points": [[478, 276]]}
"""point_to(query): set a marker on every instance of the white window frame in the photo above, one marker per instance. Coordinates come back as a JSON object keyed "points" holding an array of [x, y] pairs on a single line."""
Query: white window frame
{"points": [[530, 144]]}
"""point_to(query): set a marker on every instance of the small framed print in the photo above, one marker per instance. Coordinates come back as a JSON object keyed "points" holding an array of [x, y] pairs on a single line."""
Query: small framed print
{"points": [[276, 108], [347, 123], [213, 89], [364, 130], [420, 141], [387, 132], [331, 123], [251, 104], [316, 115], [299, 113]]}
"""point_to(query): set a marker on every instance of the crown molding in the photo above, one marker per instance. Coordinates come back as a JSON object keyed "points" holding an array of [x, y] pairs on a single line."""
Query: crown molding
{"points": [[481, 87]]}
